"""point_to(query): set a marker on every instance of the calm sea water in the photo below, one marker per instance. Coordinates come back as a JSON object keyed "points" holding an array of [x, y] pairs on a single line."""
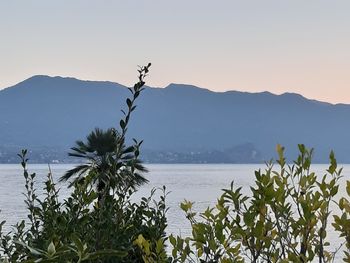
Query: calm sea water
{"points": [[200, 183]]}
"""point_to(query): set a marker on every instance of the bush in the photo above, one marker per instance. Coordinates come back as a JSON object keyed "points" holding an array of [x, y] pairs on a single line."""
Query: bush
{"points": [[285, 219]]}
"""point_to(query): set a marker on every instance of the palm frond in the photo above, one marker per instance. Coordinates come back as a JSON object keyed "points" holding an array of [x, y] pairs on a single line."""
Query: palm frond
{"points": [[78, 170], [139, 180], [77, 155]]}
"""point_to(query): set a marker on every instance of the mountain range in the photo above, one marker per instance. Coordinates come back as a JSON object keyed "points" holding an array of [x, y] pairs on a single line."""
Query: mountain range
{"points": [[178, 123]]}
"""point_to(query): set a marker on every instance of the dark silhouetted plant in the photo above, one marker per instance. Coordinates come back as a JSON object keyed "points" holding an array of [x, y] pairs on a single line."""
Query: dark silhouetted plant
{"points": [[109, 163]]}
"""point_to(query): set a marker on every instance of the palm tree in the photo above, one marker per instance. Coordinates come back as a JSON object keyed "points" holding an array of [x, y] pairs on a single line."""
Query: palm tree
{"points": [[109, 163]]}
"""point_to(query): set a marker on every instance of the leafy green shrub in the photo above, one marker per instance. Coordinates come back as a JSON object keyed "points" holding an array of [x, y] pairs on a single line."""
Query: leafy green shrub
{"points": [[342, 222], [285, 219]]}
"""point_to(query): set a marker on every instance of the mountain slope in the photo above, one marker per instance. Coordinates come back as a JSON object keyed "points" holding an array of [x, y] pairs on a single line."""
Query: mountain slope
{"points": [[56, 111]]}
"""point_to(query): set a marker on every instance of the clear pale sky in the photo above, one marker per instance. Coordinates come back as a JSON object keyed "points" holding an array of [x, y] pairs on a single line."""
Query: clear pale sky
{"points": [[300, 46]]}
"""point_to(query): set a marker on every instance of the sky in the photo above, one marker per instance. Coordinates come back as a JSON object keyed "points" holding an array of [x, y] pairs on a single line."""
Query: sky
{"points": [[300, 46]]}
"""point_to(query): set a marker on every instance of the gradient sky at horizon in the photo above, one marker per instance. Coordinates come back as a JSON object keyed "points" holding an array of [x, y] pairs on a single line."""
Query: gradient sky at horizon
{"points": [[300, 46]]}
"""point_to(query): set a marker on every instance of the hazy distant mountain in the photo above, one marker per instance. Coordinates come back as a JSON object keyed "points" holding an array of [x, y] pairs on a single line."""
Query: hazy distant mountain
{"points": [[184, 120]]}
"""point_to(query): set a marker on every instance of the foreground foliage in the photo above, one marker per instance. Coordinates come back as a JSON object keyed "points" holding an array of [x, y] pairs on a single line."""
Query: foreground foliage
{"points": [[284, 219]]}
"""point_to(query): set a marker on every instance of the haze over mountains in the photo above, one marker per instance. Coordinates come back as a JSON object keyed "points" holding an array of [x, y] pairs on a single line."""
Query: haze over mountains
{"points": [[178, 123]]}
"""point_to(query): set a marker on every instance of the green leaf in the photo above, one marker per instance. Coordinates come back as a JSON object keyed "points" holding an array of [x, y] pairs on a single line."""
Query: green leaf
{"points": [[122, 124], [172, 240], [348, 187], [77, 242], [51, 250], [128, 102]]}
